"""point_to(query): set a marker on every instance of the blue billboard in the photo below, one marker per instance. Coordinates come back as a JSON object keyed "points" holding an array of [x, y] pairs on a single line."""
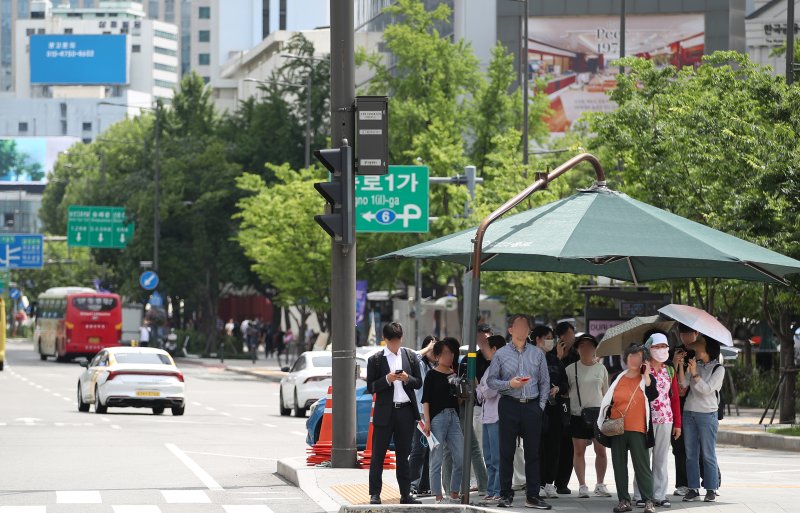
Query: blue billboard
{"points": [[79, 59]]}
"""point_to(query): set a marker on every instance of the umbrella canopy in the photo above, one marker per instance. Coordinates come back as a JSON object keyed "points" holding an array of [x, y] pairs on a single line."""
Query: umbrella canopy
{"points": [[699, 320], [607, 233], [618, 337]]}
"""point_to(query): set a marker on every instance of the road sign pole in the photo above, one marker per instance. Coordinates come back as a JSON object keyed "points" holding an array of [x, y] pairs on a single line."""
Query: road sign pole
{"points": [[343, 257]]}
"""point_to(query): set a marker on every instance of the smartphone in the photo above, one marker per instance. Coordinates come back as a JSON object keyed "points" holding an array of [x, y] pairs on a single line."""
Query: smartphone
{"points": [[398, 371], [525, 379], [643, 369]]}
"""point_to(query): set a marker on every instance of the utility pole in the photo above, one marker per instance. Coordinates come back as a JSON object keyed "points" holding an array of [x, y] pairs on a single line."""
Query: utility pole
{"points": [[790, 42], [308, 121], [157, 180], [343, 256], [622, 33], [525, 85]]}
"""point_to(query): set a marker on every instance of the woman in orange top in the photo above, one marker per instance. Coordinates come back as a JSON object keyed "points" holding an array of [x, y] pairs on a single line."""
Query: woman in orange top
{"points": [[629, 398]]}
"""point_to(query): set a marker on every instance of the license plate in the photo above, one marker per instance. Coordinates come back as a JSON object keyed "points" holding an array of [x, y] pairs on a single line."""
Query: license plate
{"points": [[148, 393], [94, 340]]}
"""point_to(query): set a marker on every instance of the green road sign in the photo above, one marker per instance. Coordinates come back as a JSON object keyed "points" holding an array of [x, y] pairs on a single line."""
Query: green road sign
{"points": [[394, 202], [98, 227]]}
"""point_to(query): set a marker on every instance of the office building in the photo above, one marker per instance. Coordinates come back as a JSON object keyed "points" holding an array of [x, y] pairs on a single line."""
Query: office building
{"points": [[766, 30]]}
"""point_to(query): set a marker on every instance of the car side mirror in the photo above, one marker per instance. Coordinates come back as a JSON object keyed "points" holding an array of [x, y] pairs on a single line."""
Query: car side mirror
{"points": [[85, 363], [284, 369]]}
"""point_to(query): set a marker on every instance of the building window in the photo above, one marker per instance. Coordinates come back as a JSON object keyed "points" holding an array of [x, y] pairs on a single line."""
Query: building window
{"points": [[30, 32], [87, 127], [68, 31], [23, 127], [165, 84], [166, 51], [204, 13], [265, 21], [101, 24], [63, 110], [40, 31], [136, 48], [86, 140], [165, 67], [152, 9], [204, 59], [166, 35], [282, 15], [89, 4], [137, 24], [63, 127], [206, 80], [204, 36], [169, 11], [113, 24]]}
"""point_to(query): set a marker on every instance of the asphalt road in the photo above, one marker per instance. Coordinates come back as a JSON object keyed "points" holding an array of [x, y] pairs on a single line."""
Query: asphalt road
{"points": [[221, 456]]}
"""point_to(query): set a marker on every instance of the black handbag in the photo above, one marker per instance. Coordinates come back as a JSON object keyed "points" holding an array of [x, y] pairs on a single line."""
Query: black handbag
{"points": [[590, 414]]}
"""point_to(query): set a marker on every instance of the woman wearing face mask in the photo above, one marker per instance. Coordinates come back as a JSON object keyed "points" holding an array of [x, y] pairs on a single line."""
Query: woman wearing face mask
{"points": [[666, 415], [550, 445]]}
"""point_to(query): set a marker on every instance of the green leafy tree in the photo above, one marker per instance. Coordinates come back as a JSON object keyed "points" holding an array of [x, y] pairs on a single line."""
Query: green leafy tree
{"points": [[719, 144]]}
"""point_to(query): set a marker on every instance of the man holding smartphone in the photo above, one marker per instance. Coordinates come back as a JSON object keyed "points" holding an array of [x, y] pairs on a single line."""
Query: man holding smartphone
{"points": [[519, 373], [393, 375]]}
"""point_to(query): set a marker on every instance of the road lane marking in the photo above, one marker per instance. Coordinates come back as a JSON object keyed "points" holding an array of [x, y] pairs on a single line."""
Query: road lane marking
{"points": [[66, 398], [136, 509], [185, 496], [299, 433], [195, 403], [269, 425], [198, 471], [225, 414], [231, 456], [247, 509], [209, 408], [247, 419], [78, 497], [115, 426], [23, 509], [104, 419]]}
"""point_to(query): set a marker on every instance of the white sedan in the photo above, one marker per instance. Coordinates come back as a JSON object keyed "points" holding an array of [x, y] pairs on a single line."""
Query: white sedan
{"points": [[139, 377], [308, 380]]}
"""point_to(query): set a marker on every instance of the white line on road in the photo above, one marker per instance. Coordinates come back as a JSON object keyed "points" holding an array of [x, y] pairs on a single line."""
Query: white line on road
{"points": [[66, 398], [195, 403], [23, 509], [247, 419], [209, 408], [78, 497], [185, 496], [104, 419], [201, 474], [299, 433], [269, 425], [115, 426], [247, 509], [225, 414], [231, 456], [140, 508]]}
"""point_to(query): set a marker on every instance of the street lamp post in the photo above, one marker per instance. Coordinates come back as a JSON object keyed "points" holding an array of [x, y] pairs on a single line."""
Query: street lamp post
{"points": [[524, 47]]}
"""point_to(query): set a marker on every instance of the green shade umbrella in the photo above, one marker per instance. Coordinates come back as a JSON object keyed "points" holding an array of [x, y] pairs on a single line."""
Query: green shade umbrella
{"points": [[603, 232]]}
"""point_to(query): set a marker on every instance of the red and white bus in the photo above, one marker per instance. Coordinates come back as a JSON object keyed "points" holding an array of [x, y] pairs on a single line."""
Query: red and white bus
{"points": [[76, 321]]}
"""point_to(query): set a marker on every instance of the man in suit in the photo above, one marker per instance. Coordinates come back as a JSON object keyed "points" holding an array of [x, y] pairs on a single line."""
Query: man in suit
{"points": [[393, 376]]}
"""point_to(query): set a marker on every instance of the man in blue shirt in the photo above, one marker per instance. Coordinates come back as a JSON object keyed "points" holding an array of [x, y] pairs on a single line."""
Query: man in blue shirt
{"points": [[519, 372]]}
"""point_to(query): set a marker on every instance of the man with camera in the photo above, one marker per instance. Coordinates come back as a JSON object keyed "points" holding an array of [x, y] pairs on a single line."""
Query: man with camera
{"points": [[393, 375]]}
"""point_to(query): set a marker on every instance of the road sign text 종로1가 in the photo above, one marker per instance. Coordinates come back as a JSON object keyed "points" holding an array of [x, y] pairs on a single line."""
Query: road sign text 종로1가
{"points": [[21, 251], [394, 202], [98, 227]]}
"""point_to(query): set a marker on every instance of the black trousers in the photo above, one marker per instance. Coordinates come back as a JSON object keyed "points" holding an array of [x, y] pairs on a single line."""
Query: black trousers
{"points": [[564, 472], [550, 447], [401, 426], [418, 463], [523, 420], [679, 451]]}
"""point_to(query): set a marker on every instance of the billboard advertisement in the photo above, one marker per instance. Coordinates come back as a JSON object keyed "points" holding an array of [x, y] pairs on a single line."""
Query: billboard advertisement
{"points": [[572, 56], [79, 59], [30, 159]]}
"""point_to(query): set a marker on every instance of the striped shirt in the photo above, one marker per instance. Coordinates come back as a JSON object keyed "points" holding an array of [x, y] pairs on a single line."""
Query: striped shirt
{"points": [[509, 363]]}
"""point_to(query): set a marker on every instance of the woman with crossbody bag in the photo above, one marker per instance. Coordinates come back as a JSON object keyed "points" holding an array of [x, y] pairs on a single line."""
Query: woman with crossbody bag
{"points": [[625, 418], [588, 381]]}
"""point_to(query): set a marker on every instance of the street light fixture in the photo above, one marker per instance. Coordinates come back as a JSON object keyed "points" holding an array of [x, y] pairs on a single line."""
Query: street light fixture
{"points": [[308, 109]]}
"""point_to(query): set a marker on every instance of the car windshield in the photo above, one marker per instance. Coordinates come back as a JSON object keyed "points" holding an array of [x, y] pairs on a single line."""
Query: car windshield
{"points": [[152, 358], [322, 361], [94, 304]]}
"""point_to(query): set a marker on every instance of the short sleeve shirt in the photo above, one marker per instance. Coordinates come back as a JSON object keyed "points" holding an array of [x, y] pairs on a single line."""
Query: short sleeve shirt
{"points": [[661, 407]]}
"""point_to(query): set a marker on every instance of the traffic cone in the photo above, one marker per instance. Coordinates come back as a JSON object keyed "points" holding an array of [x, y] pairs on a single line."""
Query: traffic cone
{"points": [[320, 452], [366, 454]]}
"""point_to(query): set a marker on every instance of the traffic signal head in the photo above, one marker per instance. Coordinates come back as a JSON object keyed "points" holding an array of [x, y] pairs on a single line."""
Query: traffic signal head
{"points": [[338, 221]]}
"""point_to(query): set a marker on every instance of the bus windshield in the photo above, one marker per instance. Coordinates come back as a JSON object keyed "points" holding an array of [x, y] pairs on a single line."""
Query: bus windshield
{"points": [[94, 304]]}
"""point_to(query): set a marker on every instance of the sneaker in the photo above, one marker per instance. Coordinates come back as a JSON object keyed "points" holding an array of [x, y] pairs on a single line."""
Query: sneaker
{"points": [[664, 504], [640, 503], [681, 491], [550, 491], [691, 495], [536, 503], [649, 507], [601, 490], [491, 498], [711, 496], [623, 506], [564, 491], [423, 493], [505, 502], [583, 492], [447, 500]]}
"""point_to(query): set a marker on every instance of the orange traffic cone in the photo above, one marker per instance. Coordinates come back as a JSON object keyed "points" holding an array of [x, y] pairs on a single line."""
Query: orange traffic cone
{"points": [[366, 454], [320, 452]]}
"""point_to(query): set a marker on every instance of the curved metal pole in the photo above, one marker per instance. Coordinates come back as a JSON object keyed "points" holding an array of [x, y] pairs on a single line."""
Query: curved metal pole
{"points": [[472, 294]]}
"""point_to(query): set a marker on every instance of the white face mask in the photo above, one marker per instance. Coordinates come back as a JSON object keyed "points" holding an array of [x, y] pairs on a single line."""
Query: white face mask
{"points": [[660, 354], [549, 344]]}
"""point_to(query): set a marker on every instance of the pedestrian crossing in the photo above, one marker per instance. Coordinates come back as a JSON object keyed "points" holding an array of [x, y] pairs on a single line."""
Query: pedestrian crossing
{"points": [[115, 501]]}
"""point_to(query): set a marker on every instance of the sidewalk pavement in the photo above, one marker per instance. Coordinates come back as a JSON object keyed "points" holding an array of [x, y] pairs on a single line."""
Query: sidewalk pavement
{"points": [[267, 369]]}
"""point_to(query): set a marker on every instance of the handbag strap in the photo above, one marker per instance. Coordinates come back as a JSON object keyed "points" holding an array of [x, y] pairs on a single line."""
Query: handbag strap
{"points": [[578, 386], [630, 401]]}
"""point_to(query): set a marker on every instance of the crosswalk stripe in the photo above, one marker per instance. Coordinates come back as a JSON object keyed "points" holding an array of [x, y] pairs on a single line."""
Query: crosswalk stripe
{"points": [[136, 509], [78, 497], [247, 509], [185, 497], [23, 509]]}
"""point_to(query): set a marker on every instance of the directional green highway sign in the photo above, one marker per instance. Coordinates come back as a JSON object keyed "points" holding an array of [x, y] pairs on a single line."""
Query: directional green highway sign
{"points": [[394, 202], [98, 227]]}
